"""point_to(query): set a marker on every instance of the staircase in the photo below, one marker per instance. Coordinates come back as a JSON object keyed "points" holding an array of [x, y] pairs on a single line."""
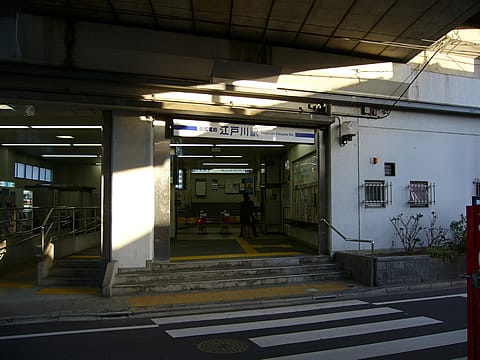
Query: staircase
{"points": [[75, 273], [226, 274]]}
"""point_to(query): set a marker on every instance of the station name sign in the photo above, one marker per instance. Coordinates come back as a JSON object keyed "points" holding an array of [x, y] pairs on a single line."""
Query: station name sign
{"points": [[246, 132]]}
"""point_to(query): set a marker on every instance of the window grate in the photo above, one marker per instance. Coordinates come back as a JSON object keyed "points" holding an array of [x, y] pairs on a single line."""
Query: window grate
{"points": [[422, 194], [377, 193], [476, 182]]}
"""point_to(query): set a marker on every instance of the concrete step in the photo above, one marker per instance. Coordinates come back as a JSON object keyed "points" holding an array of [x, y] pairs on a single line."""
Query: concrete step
{"points": [[232, 263], [70, 272], [224, 274], [168, 276], [124, 289], [79, 263], [72, 282], [76, 272]]}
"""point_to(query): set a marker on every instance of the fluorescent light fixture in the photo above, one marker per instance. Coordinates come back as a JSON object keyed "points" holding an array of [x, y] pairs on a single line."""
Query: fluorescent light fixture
{"points": [[98, 145], [159, 123], [222, 171], [13, 127], [224, 164], [8, 184], [249, 145], [211, 156], [68, 156], [66, 126], [6, 107], [191, 145], [64, 137], [195, 156], [36, 144]]}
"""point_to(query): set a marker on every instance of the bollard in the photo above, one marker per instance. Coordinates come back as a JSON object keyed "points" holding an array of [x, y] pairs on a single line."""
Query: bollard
{"points": [[225, 227], [202, 222]]}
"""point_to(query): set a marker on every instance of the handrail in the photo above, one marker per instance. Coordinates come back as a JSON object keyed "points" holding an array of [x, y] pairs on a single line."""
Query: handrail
{"points": [[74, 220], [45, 233], [371, 242], [69, 219]]}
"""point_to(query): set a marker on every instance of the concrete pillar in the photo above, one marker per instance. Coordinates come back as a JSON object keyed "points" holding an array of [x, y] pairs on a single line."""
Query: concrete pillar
{"points": [[162, 192], [132, 190]]}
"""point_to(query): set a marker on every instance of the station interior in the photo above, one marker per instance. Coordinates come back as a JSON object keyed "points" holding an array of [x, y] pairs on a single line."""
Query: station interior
{"points": [[209, 177]]}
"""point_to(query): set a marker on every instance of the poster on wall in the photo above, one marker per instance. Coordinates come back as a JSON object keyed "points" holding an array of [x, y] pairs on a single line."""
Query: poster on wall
{"points": [[232, 188], [214, 185], [247, 185], [201, 187]]}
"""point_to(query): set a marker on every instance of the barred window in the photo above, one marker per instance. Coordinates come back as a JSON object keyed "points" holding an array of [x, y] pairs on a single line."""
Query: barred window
{"points": [[422, 193], [377, 193], [476, 183]]}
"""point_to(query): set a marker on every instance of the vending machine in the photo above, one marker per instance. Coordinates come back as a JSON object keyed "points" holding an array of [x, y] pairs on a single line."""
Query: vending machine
{"points": [[27, 200]]}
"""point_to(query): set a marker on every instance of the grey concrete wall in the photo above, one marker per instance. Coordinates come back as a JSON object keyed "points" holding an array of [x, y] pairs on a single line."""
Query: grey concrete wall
{"points": [[399, 270]]}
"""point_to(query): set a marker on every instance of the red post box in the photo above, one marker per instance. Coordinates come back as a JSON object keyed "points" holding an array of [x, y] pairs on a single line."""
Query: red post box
{"points": [[473, 276]]}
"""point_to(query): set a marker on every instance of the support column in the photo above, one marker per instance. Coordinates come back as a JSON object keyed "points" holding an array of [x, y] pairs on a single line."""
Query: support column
{"points": [[133, 190], [106, 185], [162, 192]]}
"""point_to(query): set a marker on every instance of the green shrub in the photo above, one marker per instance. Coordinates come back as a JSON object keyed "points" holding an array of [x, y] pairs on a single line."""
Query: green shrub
{"points": [[407, 229]]}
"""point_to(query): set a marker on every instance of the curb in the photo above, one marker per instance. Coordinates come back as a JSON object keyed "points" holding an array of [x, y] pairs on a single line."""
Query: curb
{"points": [[179, 309]]}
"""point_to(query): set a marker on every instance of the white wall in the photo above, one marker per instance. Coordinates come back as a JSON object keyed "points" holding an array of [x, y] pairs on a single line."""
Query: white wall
{"points": [[132, 191], [428, 147]]}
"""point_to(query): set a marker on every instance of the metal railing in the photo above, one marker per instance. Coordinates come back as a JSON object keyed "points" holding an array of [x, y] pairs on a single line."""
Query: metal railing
{"points": [[18, 220], [371, 242], [68, 222], [19, 225]]}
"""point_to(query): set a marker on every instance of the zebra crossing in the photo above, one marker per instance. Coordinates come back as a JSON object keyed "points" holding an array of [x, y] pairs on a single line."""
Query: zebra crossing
{"points": [[318, 325]]}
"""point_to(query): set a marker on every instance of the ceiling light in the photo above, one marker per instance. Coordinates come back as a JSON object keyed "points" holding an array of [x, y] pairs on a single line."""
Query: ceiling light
{"points": [[66, 126], [87, 144], [13, 127], [229, 156], [158, 123], [195, 156], [250, 145], [221, 171], [68, 156], [64, 137], [35, 144], [6, 107], [224, 164], [191, 145]]}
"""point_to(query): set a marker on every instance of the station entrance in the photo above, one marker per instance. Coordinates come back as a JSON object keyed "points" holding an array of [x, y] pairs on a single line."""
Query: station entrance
{"points": [[214, 164]]}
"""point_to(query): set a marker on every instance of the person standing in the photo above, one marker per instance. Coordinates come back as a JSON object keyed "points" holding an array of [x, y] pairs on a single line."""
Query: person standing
{"points": [[247, 217]]}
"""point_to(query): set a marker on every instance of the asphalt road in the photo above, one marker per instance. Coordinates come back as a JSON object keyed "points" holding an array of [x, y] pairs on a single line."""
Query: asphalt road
{"points": [[396, 326]]}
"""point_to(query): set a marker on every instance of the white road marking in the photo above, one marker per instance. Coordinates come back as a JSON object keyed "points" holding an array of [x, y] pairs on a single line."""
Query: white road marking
{"points": [[75, 332], [228, 328], [420, 299], [256, 312], [350, 330], [383, 348]]}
